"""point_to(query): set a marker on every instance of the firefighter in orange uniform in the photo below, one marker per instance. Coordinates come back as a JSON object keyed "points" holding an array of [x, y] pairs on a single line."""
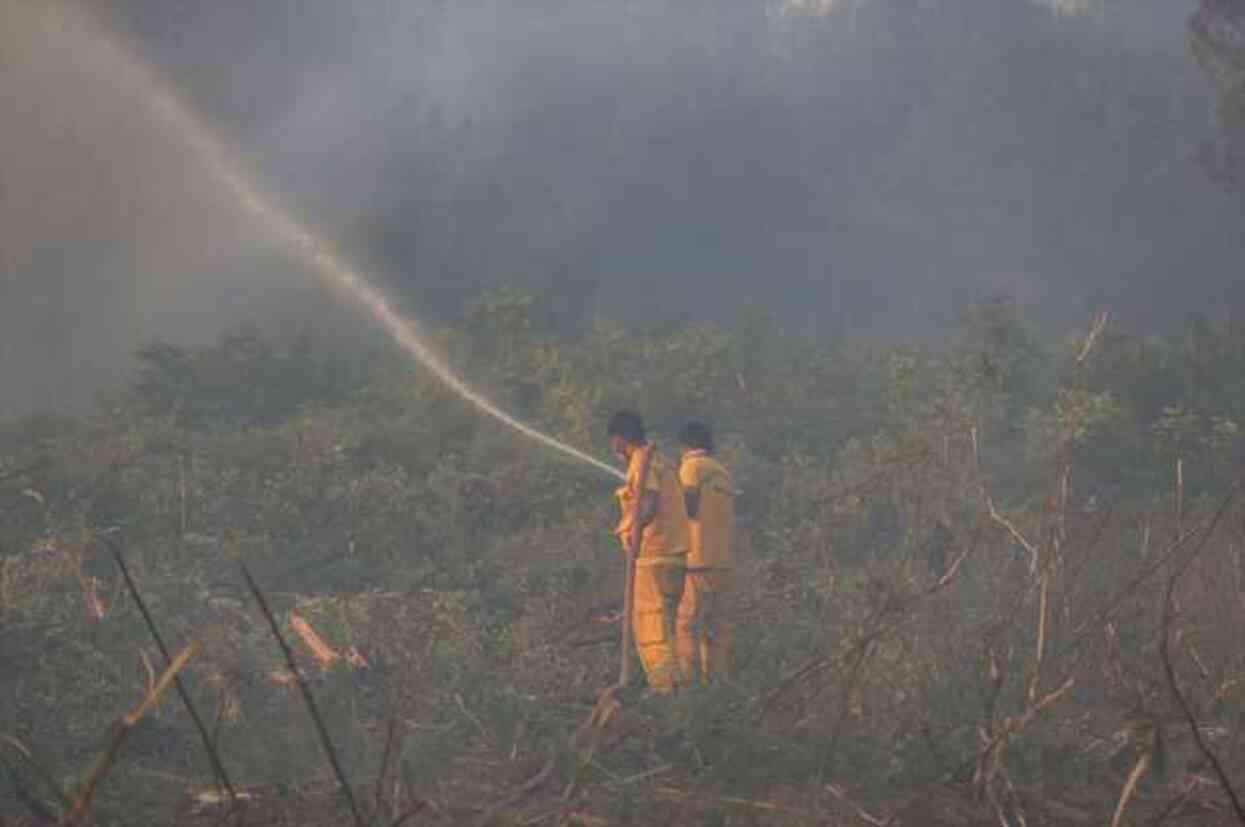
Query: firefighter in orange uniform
{"points": [[657, 504], [703, 630]]}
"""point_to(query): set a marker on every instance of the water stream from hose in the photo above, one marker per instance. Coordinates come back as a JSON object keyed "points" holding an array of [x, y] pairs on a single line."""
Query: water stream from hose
{"points": [[282, 227]]}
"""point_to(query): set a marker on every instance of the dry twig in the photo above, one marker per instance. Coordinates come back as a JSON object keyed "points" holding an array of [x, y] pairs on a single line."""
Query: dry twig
{"points": [[310, 701], [324, 654], [1130, 786], [822, 662], [1205, 529], [864, 814], [82, 802], [1100, 322], [218, 766], [1220, 773], [1014, 532]]}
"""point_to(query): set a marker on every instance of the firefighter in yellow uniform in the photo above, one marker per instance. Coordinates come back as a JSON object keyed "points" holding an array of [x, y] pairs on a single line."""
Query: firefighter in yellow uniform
{"points": [[703, 626], [656, 503]]}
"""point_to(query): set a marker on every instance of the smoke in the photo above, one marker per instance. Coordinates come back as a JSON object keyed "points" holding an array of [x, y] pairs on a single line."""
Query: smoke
{"points": [[111, 234], [857, 168], [659, 158]]}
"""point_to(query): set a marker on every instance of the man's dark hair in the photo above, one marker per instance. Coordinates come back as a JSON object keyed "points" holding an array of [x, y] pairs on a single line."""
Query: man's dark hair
{"points": [[627, 425], [697, 435]]}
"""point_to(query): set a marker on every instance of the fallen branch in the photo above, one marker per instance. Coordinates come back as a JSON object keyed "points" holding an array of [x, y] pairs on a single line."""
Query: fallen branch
{"points": [[320, 649], [218, 766], [310, 701], [82, 803]]}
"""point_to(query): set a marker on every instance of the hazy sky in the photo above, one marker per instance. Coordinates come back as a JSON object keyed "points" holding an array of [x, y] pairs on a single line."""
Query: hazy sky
{"points": [[858, 167]]}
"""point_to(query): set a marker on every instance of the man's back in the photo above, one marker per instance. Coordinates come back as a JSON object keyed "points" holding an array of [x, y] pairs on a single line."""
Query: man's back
{"points": [[713, 527], [667, 533]]}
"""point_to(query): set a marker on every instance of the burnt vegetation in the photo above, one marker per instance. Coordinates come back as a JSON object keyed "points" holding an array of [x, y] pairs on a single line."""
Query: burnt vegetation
{"points": [[996, 582]]}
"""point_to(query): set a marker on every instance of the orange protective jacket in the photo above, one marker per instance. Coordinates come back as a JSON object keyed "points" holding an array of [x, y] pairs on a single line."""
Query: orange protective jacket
{"points": [[667, 534]]}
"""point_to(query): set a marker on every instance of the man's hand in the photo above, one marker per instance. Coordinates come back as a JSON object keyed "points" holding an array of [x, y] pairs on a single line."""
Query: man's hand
{"points": [[645, 511], [624, 538]]}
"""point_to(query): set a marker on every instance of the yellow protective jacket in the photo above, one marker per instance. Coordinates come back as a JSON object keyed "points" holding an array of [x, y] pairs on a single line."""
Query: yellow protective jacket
{"points": [[667, 534], [712, 531], [659, 566]]}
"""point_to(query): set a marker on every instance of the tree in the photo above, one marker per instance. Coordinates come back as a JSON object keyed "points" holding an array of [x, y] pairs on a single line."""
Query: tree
{"points": [[1217, 40]]}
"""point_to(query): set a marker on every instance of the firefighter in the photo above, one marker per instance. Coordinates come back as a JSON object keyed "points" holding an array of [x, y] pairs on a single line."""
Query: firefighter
{"points": [[653, 527], [703, 630]]}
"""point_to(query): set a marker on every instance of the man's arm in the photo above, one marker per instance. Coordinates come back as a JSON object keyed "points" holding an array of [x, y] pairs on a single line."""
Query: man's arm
{"points": [[645, 508]]}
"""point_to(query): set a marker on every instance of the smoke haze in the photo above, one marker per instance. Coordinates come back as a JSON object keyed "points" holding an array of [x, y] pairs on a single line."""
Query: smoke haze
{"points": [[112, 233], [856, 168]]}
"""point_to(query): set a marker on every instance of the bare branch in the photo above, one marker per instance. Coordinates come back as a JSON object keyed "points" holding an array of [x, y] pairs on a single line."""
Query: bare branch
{"points": [[218, 766], [1011, 726], [82, 803], [1015, 533], [1220, 773], [1205, 529], [325, 741], [1130, 786], [1100, 322]]}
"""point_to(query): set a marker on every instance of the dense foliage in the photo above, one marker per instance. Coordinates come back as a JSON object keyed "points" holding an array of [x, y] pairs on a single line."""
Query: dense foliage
{"points": [[935, 541]]}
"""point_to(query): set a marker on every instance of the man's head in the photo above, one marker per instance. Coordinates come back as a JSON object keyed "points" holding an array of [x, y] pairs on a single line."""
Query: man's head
{"points": [[696, 436], [626, 432]]}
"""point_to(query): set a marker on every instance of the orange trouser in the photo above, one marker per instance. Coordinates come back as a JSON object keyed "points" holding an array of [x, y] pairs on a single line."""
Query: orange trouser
{"points": [[702, 629], [658, 587]]}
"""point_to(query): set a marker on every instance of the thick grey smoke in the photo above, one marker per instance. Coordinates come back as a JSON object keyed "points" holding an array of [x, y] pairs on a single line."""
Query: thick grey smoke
{"points": [[112, 233], [871, 160], [858, 166]]}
